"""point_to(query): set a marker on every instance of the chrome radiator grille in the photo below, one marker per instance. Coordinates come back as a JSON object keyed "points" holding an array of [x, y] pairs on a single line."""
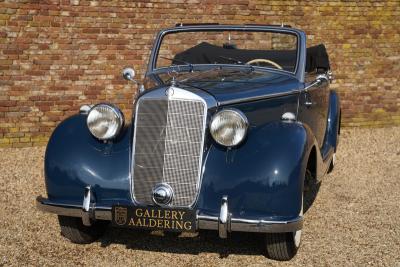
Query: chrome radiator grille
{"points": [[168, 148]]}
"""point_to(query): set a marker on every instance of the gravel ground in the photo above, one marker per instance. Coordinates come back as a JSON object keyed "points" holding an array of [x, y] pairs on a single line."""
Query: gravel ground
{"points": [[354, 220]]}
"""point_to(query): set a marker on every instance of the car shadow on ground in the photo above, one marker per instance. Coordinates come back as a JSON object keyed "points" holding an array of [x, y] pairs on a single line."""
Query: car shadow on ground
{"points": [[204, 241]]}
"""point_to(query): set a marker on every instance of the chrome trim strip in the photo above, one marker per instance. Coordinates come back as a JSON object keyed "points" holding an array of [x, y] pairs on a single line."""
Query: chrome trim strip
{"points": [[255, 226], [204, 221], [255, 98], [45, 205], [262, 226]]}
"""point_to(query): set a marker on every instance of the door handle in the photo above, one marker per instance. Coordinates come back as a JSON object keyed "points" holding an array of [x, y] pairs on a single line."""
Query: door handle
{"points": [[308, 103]]}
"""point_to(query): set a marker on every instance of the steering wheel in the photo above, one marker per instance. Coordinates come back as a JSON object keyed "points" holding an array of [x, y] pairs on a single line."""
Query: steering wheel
{"points": [[259, 60]]}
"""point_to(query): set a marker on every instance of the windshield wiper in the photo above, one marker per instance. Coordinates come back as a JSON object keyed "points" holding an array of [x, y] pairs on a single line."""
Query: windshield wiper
{"points": [[237, 61], [233, 60], [179, 61]]}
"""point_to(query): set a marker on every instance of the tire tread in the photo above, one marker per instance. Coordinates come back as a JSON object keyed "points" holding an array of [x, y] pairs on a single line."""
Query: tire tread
{"points": [[73, 229], [280, 246]]}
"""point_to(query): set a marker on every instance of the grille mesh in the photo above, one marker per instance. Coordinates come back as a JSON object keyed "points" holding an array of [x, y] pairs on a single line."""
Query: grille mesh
{"points": [[168, 145]]}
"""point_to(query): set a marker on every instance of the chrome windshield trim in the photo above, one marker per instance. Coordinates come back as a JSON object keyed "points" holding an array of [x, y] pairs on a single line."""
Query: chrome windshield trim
{"points": [[301, 41], [204, 67]]}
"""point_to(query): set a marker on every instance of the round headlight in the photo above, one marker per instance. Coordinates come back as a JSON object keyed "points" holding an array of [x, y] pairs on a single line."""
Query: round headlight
{"points": [[229, 127], [105, 121]]}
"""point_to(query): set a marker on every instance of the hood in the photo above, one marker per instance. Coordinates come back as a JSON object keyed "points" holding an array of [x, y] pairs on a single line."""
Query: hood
{"points": [[233, 85]]}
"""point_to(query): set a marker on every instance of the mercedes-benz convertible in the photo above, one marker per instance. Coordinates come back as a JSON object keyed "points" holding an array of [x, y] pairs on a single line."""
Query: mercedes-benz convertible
{"points": [[231, 126]]}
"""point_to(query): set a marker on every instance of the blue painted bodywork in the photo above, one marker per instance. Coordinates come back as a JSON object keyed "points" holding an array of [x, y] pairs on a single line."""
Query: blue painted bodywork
{"points": [[74, 159], [263, 177]]}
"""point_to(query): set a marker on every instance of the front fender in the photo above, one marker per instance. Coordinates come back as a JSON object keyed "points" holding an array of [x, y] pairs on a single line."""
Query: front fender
{"points": [[75, 159], [263, 178]]}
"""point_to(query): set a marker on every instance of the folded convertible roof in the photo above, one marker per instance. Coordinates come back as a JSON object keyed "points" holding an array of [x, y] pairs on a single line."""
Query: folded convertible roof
{"points": [[194, 24]]}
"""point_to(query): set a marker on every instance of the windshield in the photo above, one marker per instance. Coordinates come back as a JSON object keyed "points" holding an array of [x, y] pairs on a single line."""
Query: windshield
{"points": [[276, 50]]}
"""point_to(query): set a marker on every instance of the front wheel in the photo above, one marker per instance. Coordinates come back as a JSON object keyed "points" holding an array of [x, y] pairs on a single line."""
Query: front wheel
{"points": [[284, 246], [73, 229]]}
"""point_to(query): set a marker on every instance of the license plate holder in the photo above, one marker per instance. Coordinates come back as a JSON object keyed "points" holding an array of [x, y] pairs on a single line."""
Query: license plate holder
{"points": [[154, 218]]}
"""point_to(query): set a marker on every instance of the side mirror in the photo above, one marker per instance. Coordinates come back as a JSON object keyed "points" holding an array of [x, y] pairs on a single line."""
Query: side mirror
{"points": [[318, 81], [128, 74], [322, 78]]}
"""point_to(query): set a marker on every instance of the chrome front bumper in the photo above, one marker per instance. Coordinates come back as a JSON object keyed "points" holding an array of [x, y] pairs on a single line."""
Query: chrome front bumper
{"points": [[223, 224]]}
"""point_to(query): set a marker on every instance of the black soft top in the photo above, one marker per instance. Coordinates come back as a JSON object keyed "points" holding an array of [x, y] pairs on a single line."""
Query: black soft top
{"points": [[317, 58], [206, 53]]}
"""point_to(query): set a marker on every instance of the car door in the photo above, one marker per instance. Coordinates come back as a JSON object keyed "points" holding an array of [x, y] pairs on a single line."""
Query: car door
{"points": [[313, 106]]}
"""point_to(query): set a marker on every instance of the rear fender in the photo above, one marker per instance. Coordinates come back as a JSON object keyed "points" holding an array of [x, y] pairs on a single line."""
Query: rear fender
{"points": [[333, 123]]}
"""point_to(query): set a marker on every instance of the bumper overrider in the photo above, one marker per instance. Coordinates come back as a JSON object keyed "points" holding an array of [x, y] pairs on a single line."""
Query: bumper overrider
{"points": [[224, 223]]}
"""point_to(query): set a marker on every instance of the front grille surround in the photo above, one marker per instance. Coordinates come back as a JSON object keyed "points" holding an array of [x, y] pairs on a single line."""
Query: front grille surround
{"points": [[168, 146]]}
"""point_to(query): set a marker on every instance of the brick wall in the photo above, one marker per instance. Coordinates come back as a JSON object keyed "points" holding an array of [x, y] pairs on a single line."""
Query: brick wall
{"points": [[58, 54]]}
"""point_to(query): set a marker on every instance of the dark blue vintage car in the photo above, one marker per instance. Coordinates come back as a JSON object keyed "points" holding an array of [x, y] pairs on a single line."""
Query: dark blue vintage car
{"points": [[231, 128]]}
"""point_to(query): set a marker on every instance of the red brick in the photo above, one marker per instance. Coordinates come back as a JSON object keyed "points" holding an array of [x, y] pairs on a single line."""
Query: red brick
{"points": [[35, 72], [56, 57], [91, 30], [42, 62], [8, 103], [25, 18], [13, 52]]}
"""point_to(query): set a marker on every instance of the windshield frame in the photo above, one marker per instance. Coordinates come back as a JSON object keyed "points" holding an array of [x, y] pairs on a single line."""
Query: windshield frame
{"points": [[301, 47]]}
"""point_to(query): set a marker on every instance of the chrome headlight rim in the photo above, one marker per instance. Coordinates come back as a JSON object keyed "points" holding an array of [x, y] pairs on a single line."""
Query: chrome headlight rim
{"points": [[241, 115], [118, 114]]}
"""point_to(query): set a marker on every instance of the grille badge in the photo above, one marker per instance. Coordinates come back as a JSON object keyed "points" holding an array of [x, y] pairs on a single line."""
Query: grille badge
{"points": [[162, 194], [169, 92]]}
